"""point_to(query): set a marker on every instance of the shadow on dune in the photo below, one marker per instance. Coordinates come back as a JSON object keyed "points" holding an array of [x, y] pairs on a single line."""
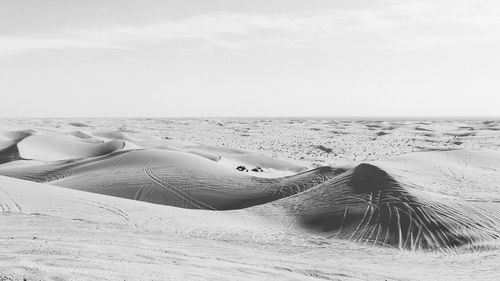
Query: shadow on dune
{"points": [[368, 205], [9, 154], [170, 178], [8, 148], [365, 204]]}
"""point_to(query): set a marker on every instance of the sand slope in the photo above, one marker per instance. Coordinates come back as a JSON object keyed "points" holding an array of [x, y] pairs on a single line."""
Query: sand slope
{"points": [[425, 200], [52, 233], [386, 203], [90, 214], [170, 178], [380, 207]]}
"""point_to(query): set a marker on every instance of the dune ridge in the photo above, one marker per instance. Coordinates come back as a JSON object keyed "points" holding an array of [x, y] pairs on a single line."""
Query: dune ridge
{"points": [[169, 178], [425, 200], [368, 205], [52, 233]]}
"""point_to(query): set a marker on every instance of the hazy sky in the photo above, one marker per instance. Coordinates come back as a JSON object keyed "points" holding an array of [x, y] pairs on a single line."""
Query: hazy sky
{"points": [[71, 58]]}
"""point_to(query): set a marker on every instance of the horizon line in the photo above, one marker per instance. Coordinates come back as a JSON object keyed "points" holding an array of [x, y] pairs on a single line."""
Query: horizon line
{"points": [[318, 117]]}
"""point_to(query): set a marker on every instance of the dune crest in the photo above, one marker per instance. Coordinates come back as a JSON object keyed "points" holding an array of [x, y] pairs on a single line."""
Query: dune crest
{"points": [[370, 206], [425, 200], [55, 148], [170, 178]]}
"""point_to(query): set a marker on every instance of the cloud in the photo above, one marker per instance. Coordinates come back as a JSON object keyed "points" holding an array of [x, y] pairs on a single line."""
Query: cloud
{"points": [[392, 25], [10, 45], [397, 25]]}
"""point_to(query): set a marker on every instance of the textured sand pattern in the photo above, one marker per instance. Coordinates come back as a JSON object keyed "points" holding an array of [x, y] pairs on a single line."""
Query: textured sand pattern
{"points": [[75, 199]]}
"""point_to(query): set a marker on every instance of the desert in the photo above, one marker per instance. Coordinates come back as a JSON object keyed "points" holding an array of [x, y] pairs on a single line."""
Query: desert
{"points": [[249, 140], [318, 199]]}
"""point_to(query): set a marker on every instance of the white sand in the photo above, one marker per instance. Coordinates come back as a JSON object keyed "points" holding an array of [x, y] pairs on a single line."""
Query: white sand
{"points": [[55, 233]]}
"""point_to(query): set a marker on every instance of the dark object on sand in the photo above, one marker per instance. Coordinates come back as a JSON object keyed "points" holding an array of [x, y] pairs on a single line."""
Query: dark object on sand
{"points": [[257, 169], [242, 168]]}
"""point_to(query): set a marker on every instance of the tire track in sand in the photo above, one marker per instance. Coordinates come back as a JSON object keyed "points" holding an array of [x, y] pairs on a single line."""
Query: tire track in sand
{"points": [[148, 171], [7, 203]]}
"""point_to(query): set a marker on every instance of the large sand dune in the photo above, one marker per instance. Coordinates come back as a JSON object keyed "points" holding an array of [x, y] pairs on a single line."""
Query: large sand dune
{"points": [[170, 178], [373, 206], [53, 233], [90, 183]]}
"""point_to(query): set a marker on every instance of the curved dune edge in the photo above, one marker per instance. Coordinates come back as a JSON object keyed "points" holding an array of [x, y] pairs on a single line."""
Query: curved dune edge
{"points": [[55, 148], [365, 204], [427, 200], [169, 178], [13, 135], [50, 231], [48, 146], [9, 151], [9, 154], [25, 197], [368, 205]]}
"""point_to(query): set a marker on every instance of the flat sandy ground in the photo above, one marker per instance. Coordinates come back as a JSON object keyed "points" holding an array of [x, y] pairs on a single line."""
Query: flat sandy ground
{"points": [[300, 139], [53, 228]]}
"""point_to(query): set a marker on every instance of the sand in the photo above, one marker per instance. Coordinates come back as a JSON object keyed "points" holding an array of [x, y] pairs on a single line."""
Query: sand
{"points": [[163, 199]]}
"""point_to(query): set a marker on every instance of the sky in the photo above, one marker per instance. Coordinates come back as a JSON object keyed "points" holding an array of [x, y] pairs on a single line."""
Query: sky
{"points": [[234, 58]]}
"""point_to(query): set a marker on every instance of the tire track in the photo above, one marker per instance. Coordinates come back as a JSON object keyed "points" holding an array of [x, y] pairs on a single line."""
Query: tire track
{"points": [[8, 204], [115, 211], [148, 171]]}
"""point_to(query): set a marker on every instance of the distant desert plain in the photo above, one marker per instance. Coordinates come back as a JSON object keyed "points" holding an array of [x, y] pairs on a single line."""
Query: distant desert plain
{"points": [[249, 199]]}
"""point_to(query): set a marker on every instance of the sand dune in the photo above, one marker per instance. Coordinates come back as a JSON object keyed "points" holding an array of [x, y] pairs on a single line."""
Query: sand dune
{"points": [[373, 206], [54, 148], [57, 232], [126, 135], [15, 135], [444, 199], [170, 178], [416, 201], [9, 153], [53, 233]]}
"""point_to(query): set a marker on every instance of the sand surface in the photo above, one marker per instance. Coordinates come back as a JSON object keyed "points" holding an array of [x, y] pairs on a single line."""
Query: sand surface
{"points": [[158, 199]]}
